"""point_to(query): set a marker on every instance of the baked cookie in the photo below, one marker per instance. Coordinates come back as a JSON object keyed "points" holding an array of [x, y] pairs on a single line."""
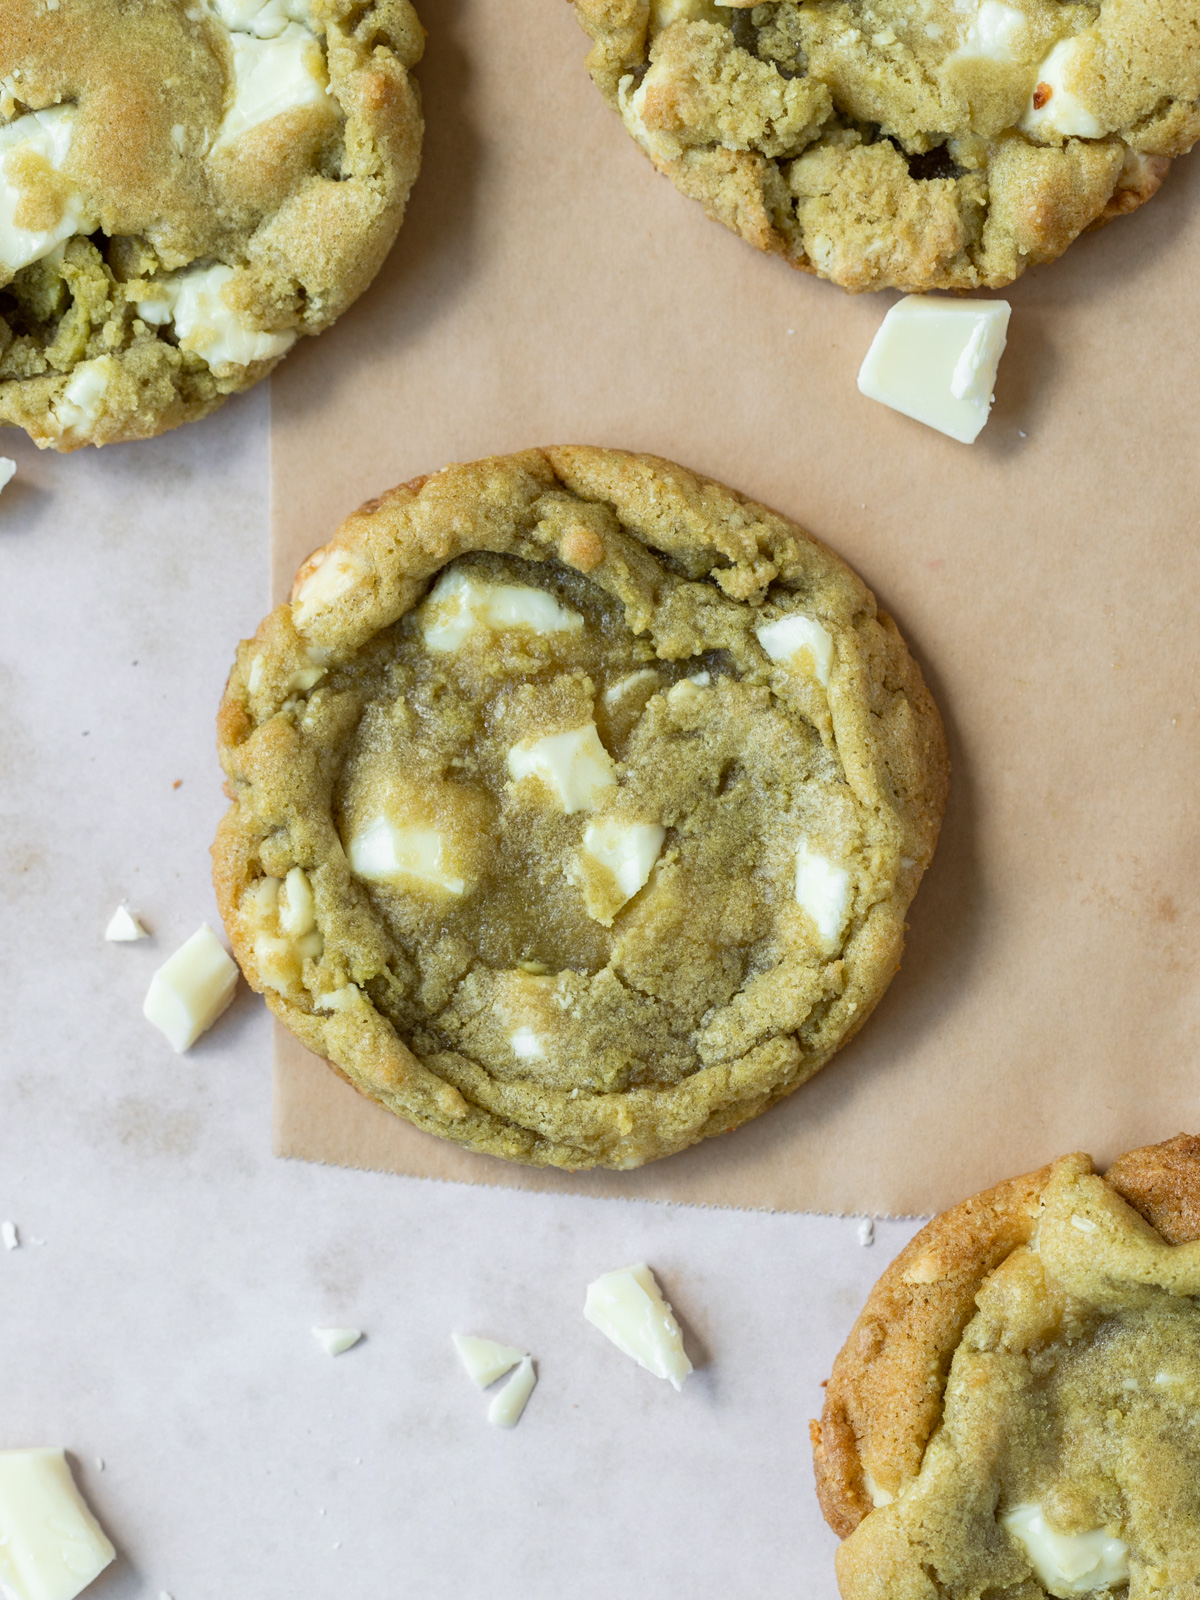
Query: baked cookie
{"points": [[185, 189], [945, 145], [578, 802], [1014, 1413]]}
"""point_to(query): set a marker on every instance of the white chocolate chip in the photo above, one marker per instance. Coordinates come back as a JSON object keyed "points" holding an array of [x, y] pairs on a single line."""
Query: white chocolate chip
{"points": [[334, 573], [385, 853], [297, 912], [993, 33], [51, 1546], [190, 991], [526, 1045], [1054, 107], [206, 324], [271, 76], [627, 851], [628, 1308], [45, 135], [9, 1236], [7, 468]]}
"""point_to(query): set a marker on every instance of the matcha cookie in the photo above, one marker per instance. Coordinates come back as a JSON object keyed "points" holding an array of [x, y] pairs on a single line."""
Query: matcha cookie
{"points": [[1014, 1413], [881, 144], [185, 189], [578, 803]]}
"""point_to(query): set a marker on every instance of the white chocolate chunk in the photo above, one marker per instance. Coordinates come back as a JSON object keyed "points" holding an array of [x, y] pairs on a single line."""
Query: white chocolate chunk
{"points": [[205, 324], [1053, 107], [574, 765], [333, 575], [627, 850], [526, 1045], [628, 1308], [7, 468], [459, 603], [786, 637], [385, 853], [664, 12], [993, 33], [124, 927], [823, 890], [505, 1410], [9, 1236], [37, 137], [271, 76], [82, 401], [1067, 1563], [484, 1359], [297, 911], [616, 692], [267, 19], [336, 1341], [51, 1546], [190, 991], [879, 1497], [935, 360]]}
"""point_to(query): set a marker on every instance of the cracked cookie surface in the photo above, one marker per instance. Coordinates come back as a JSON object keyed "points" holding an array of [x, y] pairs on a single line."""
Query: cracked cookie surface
{"points": [[186, 189], [578, 805], [946, 144], [1014, 1411]]}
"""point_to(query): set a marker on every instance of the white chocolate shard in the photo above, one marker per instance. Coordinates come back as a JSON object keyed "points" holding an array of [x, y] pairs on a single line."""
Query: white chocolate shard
{"points": [[574, 765], [385, 853], [7, 468], [206, 324], [51, 1546], [505, 1410], [627, 851], [190, 991], [81, 403], [484, 1359], [664, 12], [879, 1496], [643, 678], [935, 360], [1053, 107], [336, 1341], [39, 138], [271, 76], [787, 638], [823, 890], [1067, 1564], [628, 1308], [333, 575], [460, 603], [124, 927], [266, 19], [9, 1236], [297, 909]]}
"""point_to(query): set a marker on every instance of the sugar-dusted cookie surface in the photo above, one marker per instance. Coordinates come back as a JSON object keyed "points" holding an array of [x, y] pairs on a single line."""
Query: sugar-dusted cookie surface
{"points": [[947, 144], [578, 803], [1014, 1411], [185, 189]]}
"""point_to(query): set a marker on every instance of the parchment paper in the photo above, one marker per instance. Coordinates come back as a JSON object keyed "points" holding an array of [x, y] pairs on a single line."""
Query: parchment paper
{"points": [[549, 286]]}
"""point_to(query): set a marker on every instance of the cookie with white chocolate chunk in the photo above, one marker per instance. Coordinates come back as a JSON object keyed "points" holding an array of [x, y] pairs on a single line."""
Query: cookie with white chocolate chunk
{"points": [[1014, 1412], [186, 189], [578, 803], [948, 144]]}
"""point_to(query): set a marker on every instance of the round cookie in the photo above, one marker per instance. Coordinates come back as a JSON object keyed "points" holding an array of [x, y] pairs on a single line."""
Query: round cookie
{"points": [[946, 145], [1014, 1410], [185, 189], [578, 803]]}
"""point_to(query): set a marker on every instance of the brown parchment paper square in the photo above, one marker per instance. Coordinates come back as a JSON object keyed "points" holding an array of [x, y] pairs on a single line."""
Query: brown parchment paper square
{"points": [[549, 286]]}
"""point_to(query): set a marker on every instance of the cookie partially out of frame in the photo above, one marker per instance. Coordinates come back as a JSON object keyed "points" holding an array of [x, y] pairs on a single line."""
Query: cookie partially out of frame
{"points": [[1014, 1412], [945, 145], [578, 803], [185, 189]]}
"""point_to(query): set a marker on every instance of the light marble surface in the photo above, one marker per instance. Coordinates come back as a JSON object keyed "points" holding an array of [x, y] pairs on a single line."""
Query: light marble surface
{"points": [[158, 1312]]}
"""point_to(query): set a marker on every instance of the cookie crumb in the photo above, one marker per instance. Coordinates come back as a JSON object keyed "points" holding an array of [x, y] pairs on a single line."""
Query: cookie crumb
{"points": [[866, 1231]]}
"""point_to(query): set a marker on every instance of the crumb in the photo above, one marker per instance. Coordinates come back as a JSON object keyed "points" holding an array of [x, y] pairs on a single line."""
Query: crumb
{"points": [[10, 1236], [178, 782], [866, 1231]]}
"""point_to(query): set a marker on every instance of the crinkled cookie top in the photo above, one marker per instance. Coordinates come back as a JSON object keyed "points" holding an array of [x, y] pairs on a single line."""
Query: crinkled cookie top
{"points": [[579, 803], [1065, 1457], [185, 188], [939, 144]]}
